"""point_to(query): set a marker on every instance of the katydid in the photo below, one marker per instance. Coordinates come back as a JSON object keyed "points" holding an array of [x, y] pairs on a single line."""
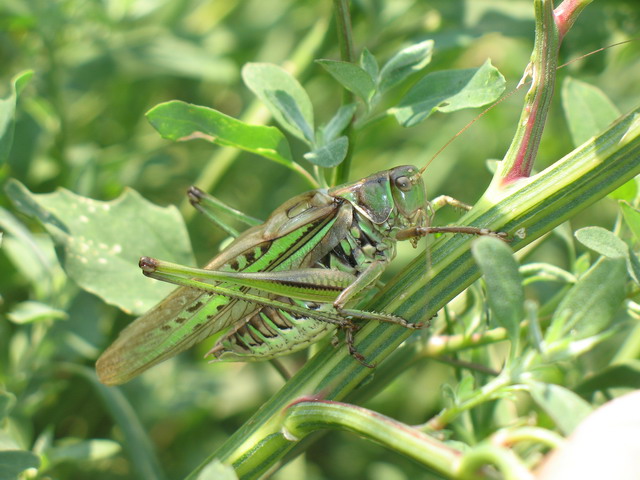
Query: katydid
{"points": [[285, 283]]}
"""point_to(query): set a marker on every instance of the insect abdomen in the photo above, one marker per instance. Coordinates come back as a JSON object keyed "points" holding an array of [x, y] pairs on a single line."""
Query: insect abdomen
{"points": [[270, 333]]}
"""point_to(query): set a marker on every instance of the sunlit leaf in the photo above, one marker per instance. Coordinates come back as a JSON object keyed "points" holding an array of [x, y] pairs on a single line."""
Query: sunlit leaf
{"points": [[339, 122], [99, 243], [602, 241], [269, 82], [369, 63], [331, 154], [352, 77], [449, 91], [180, 121], [407, 61], [290, 110]]}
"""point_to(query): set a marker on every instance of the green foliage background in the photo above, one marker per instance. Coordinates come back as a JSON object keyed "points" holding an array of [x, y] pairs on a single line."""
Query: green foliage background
{"points": [[80, 124]]}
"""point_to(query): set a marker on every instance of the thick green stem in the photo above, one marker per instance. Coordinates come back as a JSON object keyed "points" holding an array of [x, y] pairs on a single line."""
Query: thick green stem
{"points": [[528, 212], [306, 417], [509, 465]]}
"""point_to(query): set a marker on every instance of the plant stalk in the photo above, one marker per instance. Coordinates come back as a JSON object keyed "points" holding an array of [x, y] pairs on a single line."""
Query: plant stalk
{"points": [[527, 212]]}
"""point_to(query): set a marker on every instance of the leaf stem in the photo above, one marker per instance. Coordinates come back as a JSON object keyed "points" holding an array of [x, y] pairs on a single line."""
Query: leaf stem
{"points": [[507, 462], [550, 198], [511, 436], [347, 54], [345, 36], [306, 417], [518, 161], [487, 392]]}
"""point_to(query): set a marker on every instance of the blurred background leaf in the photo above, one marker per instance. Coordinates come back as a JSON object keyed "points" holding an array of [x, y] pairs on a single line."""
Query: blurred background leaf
{"points": [[80, 125]]}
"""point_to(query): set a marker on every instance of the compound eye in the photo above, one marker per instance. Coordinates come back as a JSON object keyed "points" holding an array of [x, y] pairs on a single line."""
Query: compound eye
{"points": [[403, 183]]}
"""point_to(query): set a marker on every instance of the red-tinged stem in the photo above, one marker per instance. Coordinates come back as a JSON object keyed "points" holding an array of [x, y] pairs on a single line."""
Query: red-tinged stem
{"points": [[518, 161], [305, 417], [551, 27], [566, 14]]}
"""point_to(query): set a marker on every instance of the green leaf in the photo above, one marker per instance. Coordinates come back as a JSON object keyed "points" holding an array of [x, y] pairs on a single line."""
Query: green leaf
{"points": [[632, 219], [180, 121], [329, 155], [628, 191], [535, 330], [565, 408], [448, 91], [7, 402], [292, 113], [82, 450], [369, 64], [504, 284], [587, 109], [633, 267], [466, 389], [623, 375], [592, 303], [14, 462], [7, 114], [602, 241], [339, 122], [216, 470], [99, 243], [31, 312], [352, 77], [404, 63], [265, 80]]}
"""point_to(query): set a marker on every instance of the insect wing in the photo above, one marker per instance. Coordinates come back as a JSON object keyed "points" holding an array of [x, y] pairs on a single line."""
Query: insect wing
{"points": [[187, 316]]}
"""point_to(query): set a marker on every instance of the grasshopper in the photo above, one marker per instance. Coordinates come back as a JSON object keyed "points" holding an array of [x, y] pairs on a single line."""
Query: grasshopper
{"points": [[283, 284]]}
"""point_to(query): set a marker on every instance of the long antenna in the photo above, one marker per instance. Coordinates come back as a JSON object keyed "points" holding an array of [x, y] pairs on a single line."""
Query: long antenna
{"points": [[507, 95]]}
